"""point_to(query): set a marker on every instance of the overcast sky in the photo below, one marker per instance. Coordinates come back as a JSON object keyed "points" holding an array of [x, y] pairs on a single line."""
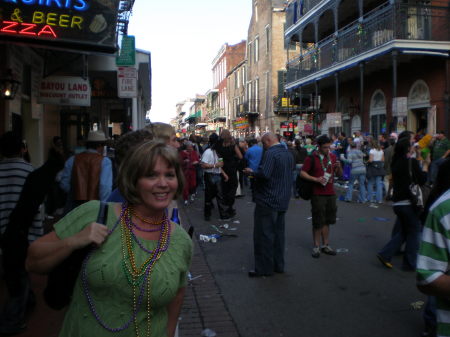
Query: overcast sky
{"points": [[183, 38]]}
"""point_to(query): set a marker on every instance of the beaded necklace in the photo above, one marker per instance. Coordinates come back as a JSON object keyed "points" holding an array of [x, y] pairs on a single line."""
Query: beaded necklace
{"points": [[157, 223], [144, 274]]}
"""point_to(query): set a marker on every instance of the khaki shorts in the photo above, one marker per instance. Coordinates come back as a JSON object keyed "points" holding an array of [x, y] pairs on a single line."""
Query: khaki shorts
{"points": [[324, 210]]}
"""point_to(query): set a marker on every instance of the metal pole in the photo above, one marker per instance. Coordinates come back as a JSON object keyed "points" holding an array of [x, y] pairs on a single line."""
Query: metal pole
{"points": [[446, 99], [361, 95]]}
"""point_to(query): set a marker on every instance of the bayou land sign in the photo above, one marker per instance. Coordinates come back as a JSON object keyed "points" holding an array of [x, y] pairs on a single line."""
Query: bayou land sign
{"points": [[72, 24]]}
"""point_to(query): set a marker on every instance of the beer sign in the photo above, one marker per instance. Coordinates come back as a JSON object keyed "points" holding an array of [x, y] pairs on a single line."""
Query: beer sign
{"points": [[74, 24]]}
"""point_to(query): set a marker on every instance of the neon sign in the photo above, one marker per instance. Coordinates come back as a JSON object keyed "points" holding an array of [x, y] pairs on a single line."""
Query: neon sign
{"points": [[78, 5], [26, 29], [76, 24]]}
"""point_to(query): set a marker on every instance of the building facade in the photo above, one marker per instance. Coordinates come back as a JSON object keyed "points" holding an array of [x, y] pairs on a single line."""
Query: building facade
{"points": [[266, 64], [228, 57], [68, 76], [371, 65]]}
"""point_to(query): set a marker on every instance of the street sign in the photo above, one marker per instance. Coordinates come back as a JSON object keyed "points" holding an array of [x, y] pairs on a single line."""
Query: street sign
{"points": [[126, 82], [127, 52]]}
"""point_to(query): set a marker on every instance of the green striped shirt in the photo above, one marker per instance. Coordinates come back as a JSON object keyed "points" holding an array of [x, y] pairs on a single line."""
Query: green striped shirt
{"points": [[434, 256]]}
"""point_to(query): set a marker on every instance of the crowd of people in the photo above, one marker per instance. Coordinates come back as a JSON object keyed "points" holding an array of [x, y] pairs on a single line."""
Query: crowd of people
{"points": [[143, 173]]}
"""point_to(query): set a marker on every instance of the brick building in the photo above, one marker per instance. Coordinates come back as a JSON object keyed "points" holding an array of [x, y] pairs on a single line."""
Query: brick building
{"points": [[266, 63], [227, 58], [382, 66]]}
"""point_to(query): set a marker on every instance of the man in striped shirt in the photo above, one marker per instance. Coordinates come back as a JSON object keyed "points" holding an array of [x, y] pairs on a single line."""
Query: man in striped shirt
{"points": [[272, 193], [433, 262], [13, 174]]}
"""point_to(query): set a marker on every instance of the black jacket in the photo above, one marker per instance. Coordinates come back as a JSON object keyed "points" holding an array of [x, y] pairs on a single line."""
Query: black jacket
{"points": [[402, 179]]}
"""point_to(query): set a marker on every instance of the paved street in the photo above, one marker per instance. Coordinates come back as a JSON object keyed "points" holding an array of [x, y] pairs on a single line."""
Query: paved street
{"points": [[349, 295]]}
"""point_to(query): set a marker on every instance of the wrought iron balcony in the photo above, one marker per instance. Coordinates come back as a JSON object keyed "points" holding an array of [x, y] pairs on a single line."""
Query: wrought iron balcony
{"points": [[287, 105], [297, 9], [217, 114], [386, 23], [250, 107]]}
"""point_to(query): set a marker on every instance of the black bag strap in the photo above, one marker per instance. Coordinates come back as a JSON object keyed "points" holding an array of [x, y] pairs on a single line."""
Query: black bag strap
{"points": [[102, 213]]}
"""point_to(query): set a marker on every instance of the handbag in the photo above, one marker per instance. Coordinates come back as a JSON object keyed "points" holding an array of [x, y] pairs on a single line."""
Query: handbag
{"points": [[305, 187], [61, 280], [419, 194], [375, 169]]}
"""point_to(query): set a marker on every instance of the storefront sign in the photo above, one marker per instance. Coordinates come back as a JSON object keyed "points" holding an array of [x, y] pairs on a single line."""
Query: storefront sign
{"points": [[241, 123], [65, 90], [126, 82], [75, 24], [334, 119]]}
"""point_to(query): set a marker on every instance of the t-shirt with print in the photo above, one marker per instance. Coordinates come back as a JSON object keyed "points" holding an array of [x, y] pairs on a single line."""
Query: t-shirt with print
{"points": [[322, 164]]}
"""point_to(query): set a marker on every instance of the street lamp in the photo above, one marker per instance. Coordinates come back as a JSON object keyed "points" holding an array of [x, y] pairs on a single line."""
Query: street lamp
{"points": [[8, 85]]}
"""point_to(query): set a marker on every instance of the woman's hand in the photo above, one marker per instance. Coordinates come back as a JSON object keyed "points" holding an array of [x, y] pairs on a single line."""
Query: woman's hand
{"points": [[95, 233]]}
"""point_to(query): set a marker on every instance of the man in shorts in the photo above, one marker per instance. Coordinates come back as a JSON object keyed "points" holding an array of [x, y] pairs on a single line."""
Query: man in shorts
{"points": [[323, 201]]}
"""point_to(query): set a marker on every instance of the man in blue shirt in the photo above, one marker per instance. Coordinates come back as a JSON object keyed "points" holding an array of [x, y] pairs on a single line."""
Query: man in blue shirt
{"points": [[272, 194], [88, 175], [253, 157]]}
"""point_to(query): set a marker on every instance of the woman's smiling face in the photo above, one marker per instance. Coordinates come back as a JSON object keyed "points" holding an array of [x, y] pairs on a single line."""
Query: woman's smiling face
{"points": [[158, 188]]}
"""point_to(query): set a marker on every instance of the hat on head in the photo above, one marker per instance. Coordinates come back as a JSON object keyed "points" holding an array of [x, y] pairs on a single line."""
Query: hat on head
{"points": [[96, 136]]}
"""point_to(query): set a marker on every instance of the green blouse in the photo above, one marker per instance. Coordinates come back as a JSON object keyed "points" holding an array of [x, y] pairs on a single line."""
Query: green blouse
{"points": [[108, 286]]}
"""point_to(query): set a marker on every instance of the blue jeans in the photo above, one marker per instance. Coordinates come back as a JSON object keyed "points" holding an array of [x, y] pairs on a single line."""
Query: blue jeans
{"points": [[407, 230], [294, 185], [378, 181], [268, 240], [362, 187]]}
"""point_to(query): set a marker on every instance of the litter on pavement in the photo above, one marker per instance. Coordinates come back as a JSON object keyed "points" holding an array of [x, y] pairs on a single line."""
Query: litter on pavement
{"points": [[381, 219], [361, 219], [209, 238], [417, 305], [224, 226], [236, 221], [341, 250], [208, 333]]}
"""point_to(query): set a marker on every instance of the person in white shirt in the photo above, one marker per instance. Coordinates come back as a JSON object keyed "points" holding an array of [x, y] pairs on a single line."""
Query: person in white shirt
{"points": [[375, 172], [212, 166]]}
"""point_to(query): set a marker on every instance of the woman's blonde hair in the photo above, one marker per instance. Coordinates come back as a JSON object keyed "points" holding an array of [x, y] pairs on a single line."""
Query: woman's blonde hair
{"points": [[161, 131], [140, 162]]}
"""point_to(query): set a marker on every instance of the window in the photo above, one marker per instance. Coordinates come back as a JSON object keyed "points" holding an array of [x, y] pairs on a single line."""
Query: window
{"points": [[256, 46], [256, 11], [249, 53], [236, 79], [257, 95], [243, 72], [267, 40]]}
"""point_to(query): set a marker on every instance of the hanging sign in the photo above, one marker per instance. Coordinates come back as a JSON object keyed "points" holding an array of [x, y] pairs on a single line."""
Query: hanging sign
{"points": [[65, 90], [400, 107], [126, 82], [73, 24], [334, 119], [127, 53]]}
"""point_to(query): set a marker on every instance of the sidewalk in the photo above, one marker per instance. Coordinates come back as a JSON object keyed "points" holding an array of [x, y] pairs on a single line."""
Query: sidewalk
{"points": [[204, 307]]}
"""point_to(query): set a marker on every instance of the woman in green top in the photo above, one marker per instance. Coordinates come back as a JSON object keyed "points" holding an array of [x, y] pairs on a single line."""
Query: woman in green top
{"points": [[133, 283]]}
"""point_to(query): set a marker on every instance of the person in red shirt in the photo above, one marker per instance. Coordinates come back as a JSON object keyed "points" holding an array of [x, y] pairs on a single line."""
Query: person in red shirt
{"points": [[323, 201], [189, 160]]}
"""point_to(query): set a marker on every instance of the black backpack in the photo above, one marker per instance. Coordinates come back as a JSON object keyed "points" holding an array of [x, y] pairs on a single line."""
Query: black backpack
{"points": [[305, 187]]}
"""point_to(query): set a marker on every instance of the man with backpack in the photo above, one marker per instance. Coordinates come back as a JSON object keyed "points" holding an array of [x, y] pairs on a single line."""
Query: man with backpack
{"points": [[323, 200]]}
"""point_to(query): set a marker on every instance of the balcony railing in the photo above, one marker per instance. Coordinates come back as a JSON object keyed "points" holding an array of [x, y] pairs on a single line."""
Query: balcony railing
{"points": [[384, 24], [249, 107], [216, 114], [297, 9]]}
